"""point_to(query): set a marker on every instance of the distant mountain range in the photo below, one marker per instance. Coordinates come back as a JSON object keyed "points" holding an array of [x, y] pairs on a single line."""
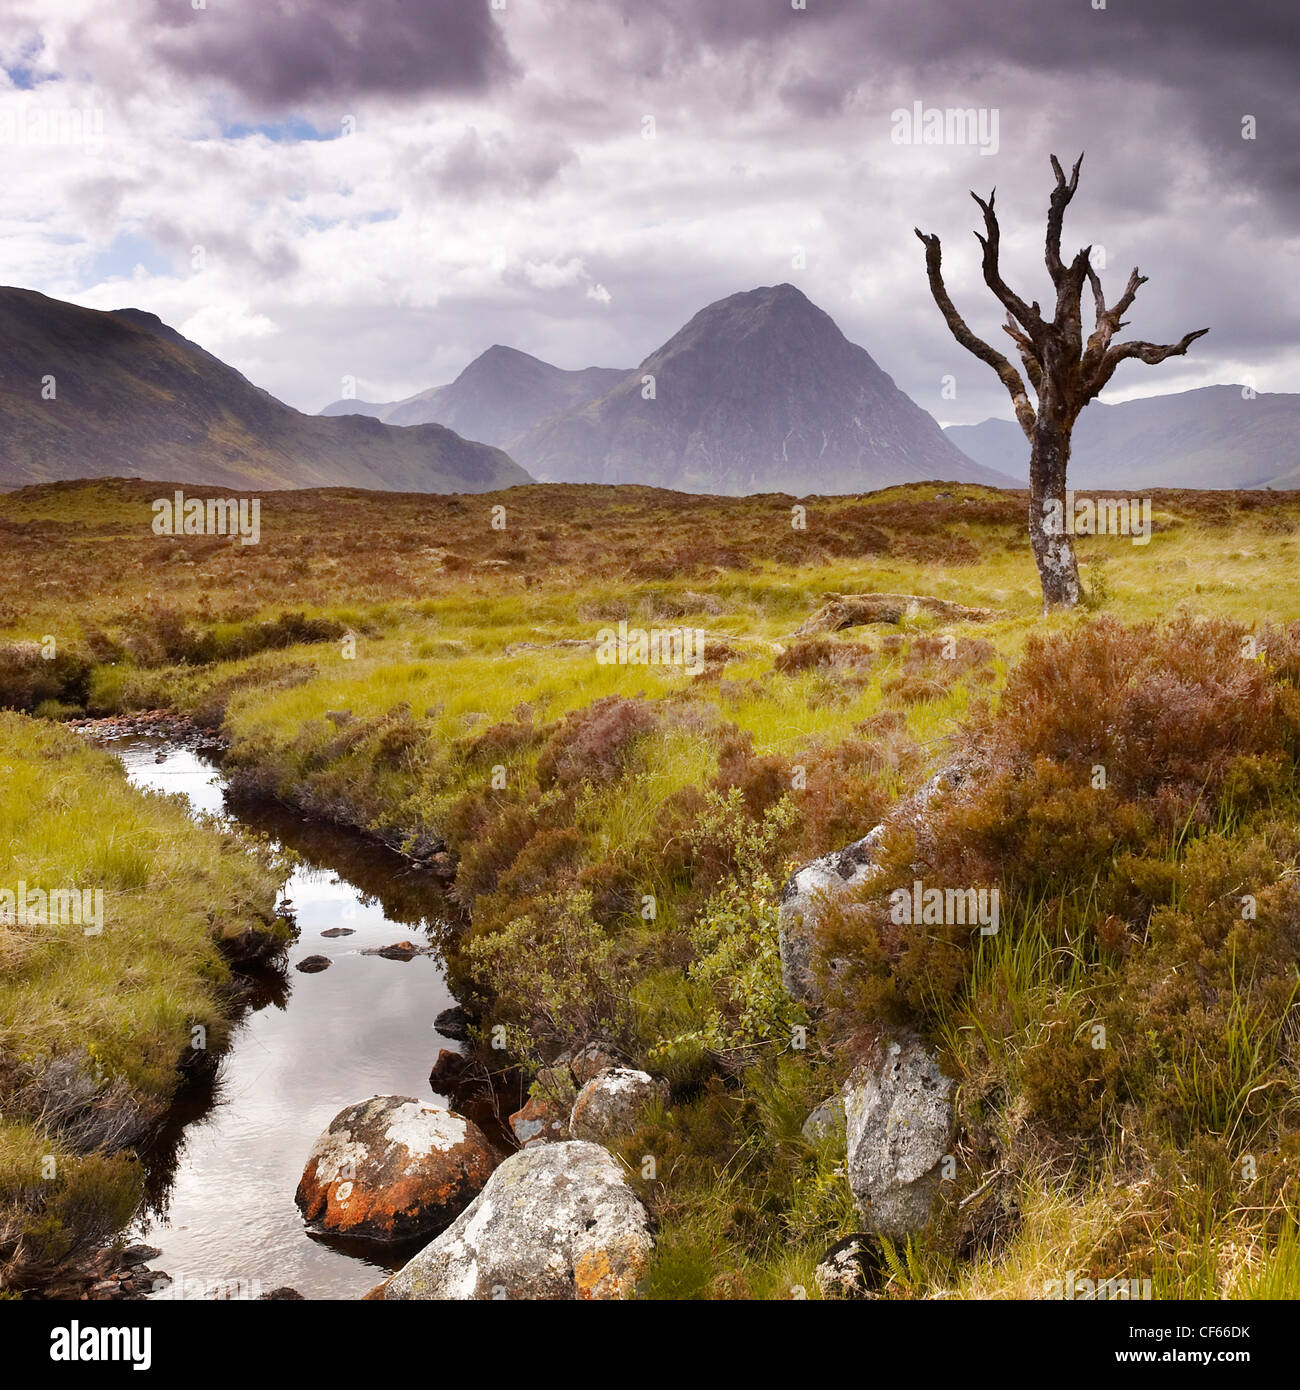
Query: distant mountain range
{"points": [[759, 392], [498, 397], [1213, 437], [91, 394]]}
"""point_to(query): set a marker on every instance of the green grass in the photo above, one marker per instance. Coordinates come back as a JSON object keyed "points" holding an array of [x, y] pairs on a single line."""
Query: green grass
{"points": [[473, 653], [118, 1008]]}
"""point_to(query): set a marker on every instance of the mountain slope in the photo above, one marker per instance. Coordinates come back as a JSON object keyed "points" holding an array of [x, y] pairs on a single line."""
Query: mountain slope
{"points": [[758, 392], [133, 398], [1208, 438], [502, 393]]}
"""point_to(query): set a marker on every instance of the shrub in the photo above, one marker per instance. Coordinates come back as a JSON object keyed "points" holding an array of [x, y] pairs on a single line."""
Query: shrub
{"points": [[554, 975], [594, 743]]}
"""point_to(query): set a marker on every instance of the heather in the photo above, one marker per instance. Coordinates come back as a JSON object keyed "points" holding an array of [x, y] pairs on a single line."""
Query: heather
{"points": [[1124, 1043]]}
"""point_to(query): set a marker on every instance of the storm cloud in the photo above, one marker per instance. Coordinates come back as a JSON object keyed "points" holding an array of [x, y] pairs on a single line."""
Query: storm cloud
{"points": [[381, 191]]}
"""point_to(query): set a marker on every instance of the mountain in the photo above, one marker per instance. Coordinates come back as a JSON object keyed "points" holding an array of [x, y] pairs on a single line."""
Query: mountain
{"points": [[501, 394], [1212, 437], [133, 398], [759, 392]]}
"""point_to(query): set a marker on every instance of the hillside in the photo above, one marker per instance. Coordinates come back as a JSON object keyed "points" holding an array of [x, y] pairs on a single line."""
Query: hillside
{"points": [[133, 398], [500, 395], [758, 392], [1209, 438]]}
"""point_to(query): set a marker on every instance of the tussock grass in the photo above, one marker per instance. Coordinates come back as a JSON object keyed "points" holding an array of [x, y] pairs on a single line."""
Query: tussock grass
{"points": [[574, 792], [92, 1026]]}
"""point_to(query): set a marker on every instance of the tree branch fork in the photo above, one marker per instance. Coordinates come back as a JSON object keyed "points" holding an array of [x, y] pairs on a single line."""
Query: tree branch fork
{"points": [[1064, 371]]}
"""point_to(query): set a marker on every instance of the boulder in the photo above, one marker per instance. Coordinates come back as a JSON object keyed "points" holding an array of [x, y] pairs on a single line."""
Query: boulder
{"points": [[612, 1103], [399, 950], [592, 1059], [851, 1268], [453, 1023], [808, 889], [571, 1071], [826, 1120], [899, 1121], [540, 1121], [392, 1167], [556, 1221], [452, 1071], [802, 898], [311, 965]]}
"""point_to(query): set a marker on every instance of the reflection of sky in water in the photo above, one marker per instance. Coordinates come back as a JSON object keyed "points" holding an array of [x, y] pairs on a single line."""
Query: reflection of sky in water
{"points": [[363, 1027]]}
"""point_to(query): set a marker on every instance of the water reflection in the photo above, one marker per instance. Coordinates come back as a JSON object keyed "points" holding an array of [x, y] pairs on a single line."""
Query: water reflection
{"points": [[224, 1170]]}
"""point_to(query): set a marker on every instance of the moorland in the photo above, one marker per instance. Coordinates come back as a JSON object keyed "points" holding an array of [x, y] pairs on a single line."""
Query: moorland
{"points": [[425, 669]]}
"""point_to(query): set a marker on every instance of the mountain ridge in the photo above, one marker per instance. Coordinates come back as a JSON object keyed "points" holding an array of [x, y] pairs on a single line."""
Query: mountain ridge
{"points": [[1209, 437], [93, 393]]}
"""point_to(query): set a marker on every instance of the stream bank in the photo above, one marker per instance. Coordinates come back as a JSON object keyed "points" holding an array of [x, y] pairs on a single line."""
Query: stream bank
{"points": [[223, 1169]]}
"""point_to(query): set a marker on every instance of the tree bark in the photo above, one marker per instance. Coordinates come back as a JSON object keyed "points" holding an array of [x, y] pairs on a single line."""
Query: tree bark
{"points": [[1064, 373], [1049, 518]]}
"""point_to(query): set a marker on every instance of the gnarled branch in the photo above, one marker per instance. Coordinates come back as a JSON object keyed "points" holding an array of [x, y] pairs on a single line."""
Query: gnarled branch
{"points": [[1028, 316], [1150, 353], [1007, 374], [1060, 200], [1033, 365]]}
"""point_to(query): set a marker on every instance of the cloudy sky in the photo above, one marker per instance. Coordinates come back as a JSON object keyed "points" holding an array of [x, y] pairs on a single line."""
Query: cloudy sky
{"points": [[321, 189]]}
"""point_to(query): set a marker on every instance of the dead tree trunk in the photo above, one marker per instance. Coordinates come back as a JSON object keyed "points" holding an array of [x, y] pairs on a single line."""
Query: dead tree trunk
{"points": [[1049, 456], [1064, 371]]}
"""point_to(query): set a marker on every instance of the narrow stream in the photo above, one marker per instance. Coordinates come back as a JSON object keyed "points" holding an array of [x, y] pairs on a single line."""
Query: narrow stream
{"points": [[224, 1172]]}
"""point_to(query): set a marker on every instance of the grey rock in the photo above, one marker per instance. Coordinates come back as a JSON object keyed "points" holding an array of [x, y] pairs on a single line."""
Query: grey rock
{"points": [[808, 890], [571, 1070], [612, 1103], [802, 899], [899, 1120], [556, 1221], [826, 1120], [849, 1269]]}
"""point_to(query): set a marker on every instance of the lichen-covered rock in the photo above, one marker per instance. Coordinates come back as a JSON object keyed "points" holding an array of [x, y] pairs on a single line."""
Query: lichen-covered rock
{"points": [[612, 1103], [807, 890], [571, 1070], [556, 1221], [899, 1120], [849, 1269], [826, 1120], [393, 1167], [802, 898], [540, 1121]]}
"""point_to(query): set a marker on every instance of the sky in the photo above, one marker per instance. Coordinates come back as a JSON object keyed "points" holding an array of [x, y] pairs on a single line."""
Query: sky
{"points": [[333, 195]]}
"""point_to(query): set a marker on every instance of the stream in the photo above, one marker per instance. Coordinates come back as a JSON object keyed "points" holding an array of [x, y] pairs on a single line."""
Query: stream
{"points": [[222, 1174]]}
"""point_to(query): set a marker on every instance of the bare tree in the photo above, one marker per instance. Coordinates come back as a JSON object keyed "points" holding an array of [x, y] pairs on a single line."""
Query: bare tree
{"points": [[1064, 371]]}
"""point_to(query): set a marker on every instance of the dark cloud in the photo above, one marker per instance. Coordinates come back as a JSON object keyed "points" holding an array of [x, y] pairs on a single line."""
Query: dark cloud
{"points": [[476, 164], [505, 151], [282, 53], [267, 257]]}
